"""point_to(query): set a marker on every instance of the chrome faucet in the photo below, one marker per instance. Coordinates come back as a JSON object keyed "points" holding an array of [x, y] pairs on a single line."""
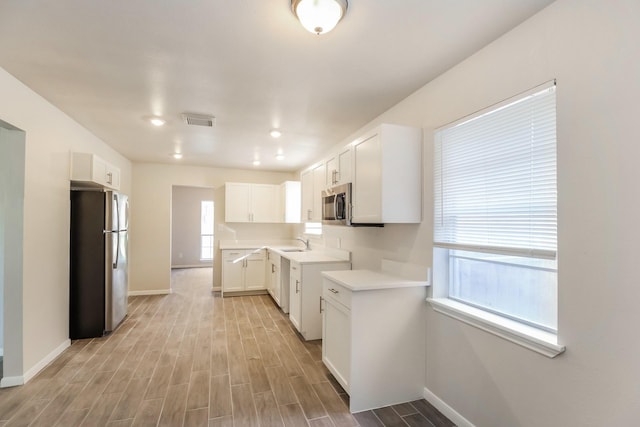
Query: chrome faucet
{"points": [[306, 243]]}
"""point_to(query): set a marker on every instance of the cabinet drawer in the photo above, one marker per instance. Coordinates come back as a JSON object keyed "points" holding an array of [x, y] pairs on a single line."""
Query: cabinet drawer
{"points": [[334, 291], [252, 255], [232, 255]]}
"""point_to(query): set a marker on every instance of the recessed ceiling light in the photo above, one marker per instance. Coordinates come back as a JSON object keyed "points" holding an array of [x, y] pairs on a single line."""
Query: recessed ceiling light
{"points": [[177, 156], [157, 121], [275, 133], [256, 163], [280, 156]]}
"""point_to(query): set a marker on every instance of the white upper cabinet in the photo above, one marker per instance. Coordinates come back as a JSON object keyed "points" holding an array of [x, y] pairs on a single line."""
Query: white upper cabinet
{"points": [[306, 180], [289, 203], [251, 202], [387, 176], [313, 182], [339, 167], [89, 170], [319, 173], [264, 203]]}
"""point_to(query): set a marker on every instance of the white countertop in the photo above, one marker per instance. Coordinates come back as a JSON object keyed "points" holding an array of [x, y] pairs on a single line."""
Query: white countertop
{"points": [[315, 255], [259, 244], [308, 257], [366, 280]]}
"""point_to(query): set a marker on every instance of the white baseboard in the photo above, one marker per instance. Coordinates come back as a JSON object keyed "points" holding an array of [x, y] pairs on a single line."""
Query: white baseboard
{"points": [[11, 381], [177, 267], [447, 410], [150, 292], [45, 361]]}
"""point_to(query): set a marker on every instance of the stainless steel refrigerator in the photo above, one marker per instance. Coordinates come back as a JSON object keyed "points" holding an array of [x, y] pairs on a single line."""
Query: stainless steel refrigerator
{"points": [[98, 262]]}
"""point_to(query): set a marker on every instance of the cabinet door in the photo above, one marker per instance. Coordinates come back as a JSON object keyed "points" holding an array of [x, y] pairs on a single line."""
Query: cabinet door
{"points": [[264, 203], [274, 284], [99, 171], [344, 166], [290, 194], [367, 183], [336, 341], [237, 199], [319, 176], [332, 172], [112, 177], [254, 278], [232, 272], [306, 179], [295, 296]]}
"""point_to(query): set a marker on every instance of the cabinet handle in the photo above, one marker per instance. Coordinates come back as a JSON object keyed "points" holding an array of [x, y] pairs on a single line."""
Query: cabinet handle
{"points": [[273, 268], [297, 288], [109, 178], [333, 291], [320, 304], [337, 176], [309, 214]]}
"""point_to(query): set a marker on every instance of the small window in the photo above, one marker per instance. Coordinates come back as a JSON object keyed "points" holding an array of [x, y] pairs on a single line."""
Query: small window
{"points": [[206, 230], [313, 228], [495, 231]]}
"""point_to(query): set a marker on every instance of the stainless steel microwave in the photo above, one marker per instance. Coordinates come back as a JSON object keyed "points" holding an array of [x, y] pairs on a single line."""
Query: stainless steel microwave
{"points": [[336, 205]]}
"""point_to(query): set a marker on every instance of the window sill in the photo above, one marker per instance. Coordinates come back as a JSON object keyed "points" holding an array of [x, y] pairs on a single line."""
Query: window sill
{"points": [[534, 339]]}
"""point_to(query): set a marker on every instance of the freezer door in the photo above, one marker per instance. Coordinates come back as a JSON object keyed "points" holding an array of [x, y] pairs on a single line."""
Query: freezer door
{"points": [[87, 266], [116, 262]]}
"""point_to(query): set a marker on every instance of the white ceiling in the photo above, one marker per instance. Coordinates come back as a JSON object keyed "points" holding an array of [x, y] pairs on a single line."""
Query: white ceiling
{"points": [[111, 63]]}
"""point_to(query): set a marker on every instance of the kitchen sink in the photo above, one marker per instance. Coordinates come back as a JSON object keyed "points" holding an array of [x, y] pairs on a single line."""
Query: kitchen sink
{"points": [[293, 250]]}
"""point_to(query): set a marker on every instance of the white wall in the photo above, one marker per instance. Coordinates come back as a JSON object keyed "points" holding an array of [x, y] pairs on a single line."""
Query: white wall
{"points": [[12, 152], [50, 135], [591, 48], [150, 238], [186, 205]]}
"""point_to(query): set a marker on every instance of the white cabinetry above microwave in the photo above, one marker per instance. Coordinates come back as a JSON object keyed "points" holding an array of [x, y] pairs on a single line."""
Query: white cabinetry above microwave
{"points": [[339, 167], [387, 176], [89, 170]]}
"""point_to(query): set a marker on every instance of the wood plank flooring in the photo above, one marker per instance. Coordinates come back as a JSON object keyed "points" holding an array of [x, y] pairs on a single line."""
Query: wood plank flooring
{"points": [[192, 358]]}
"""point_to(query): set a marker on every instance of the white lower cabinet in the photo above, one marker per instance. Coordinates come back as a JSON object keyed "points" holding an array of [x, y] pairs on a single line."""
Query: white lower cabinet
{"points": [[273, 277], [243, 270], [336, 346], [373, 342], [304, 296]]}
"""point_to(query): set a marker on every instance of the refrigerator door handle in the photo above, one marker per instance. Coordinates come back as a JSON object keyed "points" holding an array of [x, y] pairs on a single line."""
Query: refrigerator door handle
{"points": [[117, 231]]}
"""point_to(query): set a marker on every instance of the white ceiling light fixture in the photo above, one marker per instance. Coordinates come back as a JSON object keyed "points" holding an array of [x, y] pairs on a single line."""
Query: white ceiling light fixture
{"points": [[177, 156], [319, 16], [157, 121], [275, 133], [279, 156], [256, 163]]}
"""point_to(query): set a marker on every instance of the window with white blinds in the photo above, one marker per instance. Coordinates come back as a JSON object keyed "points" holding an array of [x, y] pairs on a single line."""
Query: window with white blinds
{"points": [[495, 179]]}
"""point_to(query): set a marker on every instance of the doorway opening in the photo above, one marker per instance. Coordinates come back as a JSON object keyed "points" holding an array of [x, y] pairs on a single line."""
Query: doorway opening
{"points": [[192, 228], [12, 167]]}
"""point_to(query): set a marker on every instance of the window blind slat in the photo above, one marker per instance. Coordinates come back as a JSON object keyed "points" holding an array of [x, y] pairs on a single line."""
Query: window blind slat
{"points": [[495, 180]]}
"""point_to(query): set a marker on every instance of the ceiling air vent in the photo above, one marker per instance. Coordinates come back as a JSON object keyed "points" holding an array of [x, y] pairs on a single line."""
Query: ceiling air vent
{"points": [[194, 119]]}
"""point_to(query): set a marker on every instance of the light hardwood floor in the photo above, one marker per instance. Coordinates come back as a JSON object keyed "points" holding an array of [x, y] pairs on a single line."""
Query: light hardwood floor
{"points": [[194, 359]]}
